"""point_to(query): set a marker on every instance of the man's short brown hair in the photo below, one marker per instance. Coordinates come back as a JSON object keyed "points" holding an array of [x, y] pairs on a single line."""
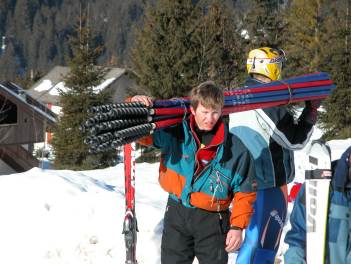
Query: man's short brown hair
{"points": [[208, 94]]}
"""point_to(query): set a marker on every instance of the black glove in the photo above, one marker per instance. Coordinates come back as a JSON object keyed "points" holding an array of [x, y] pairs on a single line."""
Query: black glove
{"points": [[313, 104], [310, 113]]}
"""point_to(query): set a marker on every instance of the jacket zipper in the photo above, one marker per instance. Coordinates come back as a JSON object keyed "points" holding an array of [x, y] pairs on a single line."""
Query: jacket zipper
{"points": [[196, 176]]}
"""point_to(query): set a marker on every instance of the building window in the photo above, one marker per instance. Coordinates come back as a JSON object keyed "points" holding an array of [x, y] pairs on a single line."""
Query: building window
{"points": [[8, 112]]}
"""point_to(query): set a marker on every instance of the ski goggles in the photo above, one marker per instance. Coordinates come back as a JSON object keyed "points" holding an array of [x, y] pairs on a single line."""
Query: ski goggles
{"points": [[279, 60]]}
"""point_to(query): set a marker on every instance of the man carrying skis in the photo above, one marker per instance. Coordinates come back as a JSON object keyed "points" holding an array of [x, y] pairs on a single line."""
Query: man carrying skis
{"points": [[271, 135], [202, 168], [338, 250]]}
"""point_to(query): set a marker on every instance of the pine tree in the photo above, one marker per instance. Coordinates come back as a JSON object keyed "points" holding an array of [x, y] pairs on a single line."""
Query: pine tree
{"points": [[69, 148], [183, 44], [336, 120], [163, 56], [303, 35], [4, 6], [318, 40], [220, 55], [264, 23], [8, 68]]}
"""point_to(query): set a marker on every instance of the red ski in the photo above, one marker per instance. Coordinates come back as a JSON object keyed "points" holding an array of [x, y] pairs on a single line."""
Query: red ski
{"points": [[130, 227]]}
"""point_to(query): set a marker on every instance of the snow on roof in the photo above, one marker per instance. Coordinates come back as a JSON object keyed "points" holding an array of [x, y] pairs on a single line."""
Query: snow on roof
{"points": [[43, 86], [112, 75], [59, 86], [103, 85], [22, 96], [52, 82]]}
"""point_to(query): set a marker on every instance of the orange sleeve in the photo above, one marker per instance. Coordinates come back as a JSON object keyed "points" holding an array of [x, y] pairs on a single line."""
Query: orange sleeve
{"points": [[242, 209]]}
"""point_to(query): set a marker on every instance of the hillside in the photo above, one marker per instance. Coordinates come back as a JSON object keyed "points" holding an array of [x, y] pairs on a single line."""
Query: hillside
{"points": [[34, 33]]}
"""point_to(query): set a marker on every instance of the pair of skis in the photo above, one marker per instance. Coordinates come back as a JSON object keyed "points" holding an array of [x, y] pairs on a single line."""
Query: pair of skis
{"points": [[114, 125], [318, 177]]}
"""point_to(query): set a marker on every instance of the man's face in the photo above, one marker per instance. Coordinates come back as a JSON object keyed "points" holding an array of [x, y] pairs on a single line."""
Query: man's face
{"points": [[206, 118]]}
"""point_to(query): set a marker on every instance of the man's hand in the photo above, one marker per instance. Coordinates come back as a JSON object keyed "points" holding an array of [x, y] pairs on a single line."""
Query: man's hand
{"points": [[146, 100], [234, 240]]}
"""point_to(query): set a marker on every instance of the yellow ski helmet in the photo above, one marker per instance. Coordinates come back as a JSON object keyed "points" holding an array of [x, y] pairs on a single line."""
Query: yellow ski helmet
{"points": [[266, 61]]}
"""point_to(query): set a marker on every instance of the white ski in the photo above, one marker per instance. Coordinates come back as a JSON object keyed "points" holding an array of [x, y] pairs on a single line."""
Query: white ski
{"points": [[318, 176]]}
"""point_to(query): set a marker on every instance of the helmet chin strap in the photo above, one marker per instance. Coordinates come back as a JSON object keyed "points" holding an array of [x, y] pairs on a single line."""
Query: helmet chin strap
{"points": [[261, 78]]}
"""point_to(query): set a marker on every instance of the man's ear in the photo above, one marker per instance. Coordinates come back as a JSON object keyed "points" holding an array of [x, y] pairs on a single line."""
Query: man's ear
{"points": [[192, 110]]}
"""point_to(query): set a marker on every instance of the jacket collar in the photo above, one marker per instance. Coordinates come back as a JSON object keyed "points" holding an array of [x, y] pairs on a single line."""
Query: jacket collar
{"points": [[219, 134]]}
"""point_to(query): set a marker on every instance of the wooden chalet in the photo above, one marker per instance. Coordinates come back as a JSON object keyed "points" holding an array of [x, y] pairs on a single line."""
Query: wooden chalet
{"points": [[23, 122]]}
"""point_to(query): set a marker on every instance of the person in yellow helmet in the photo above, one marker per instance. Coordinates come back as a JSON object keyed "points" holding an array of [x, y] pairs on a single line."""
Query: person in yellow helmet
{"points": [[265, 64], [271, 135]]}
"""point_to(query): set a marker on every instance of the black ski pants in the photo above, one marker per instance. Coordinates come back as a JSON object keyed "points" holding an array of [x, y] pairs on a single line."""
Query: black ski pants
{"points": [[190, 232]]}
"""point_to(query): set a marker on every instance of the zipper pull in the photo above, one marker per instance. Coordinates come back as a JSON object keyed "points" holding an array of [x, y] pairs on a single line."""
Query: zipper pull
{"points": [[219, 208], [211, 187], [213, 195], [220, 216]]}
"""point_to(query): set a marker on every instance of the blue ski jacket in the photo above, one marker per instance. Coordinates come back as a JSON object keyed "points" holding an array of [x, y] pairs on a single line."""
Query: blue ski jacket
{"points": [[271, 135], [338, 246]]}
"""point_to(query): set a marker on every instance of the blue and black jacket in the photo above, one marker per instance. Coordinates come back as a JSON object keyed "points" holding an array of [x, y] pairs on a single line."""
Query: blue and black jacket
{"points": [[271, 135]]}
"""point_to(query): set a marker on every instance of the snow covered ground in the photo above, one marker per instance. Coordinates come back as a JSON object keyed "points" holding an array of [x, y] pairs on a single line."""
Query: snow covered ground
{"points": [[67, 217], [62, 216]]}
